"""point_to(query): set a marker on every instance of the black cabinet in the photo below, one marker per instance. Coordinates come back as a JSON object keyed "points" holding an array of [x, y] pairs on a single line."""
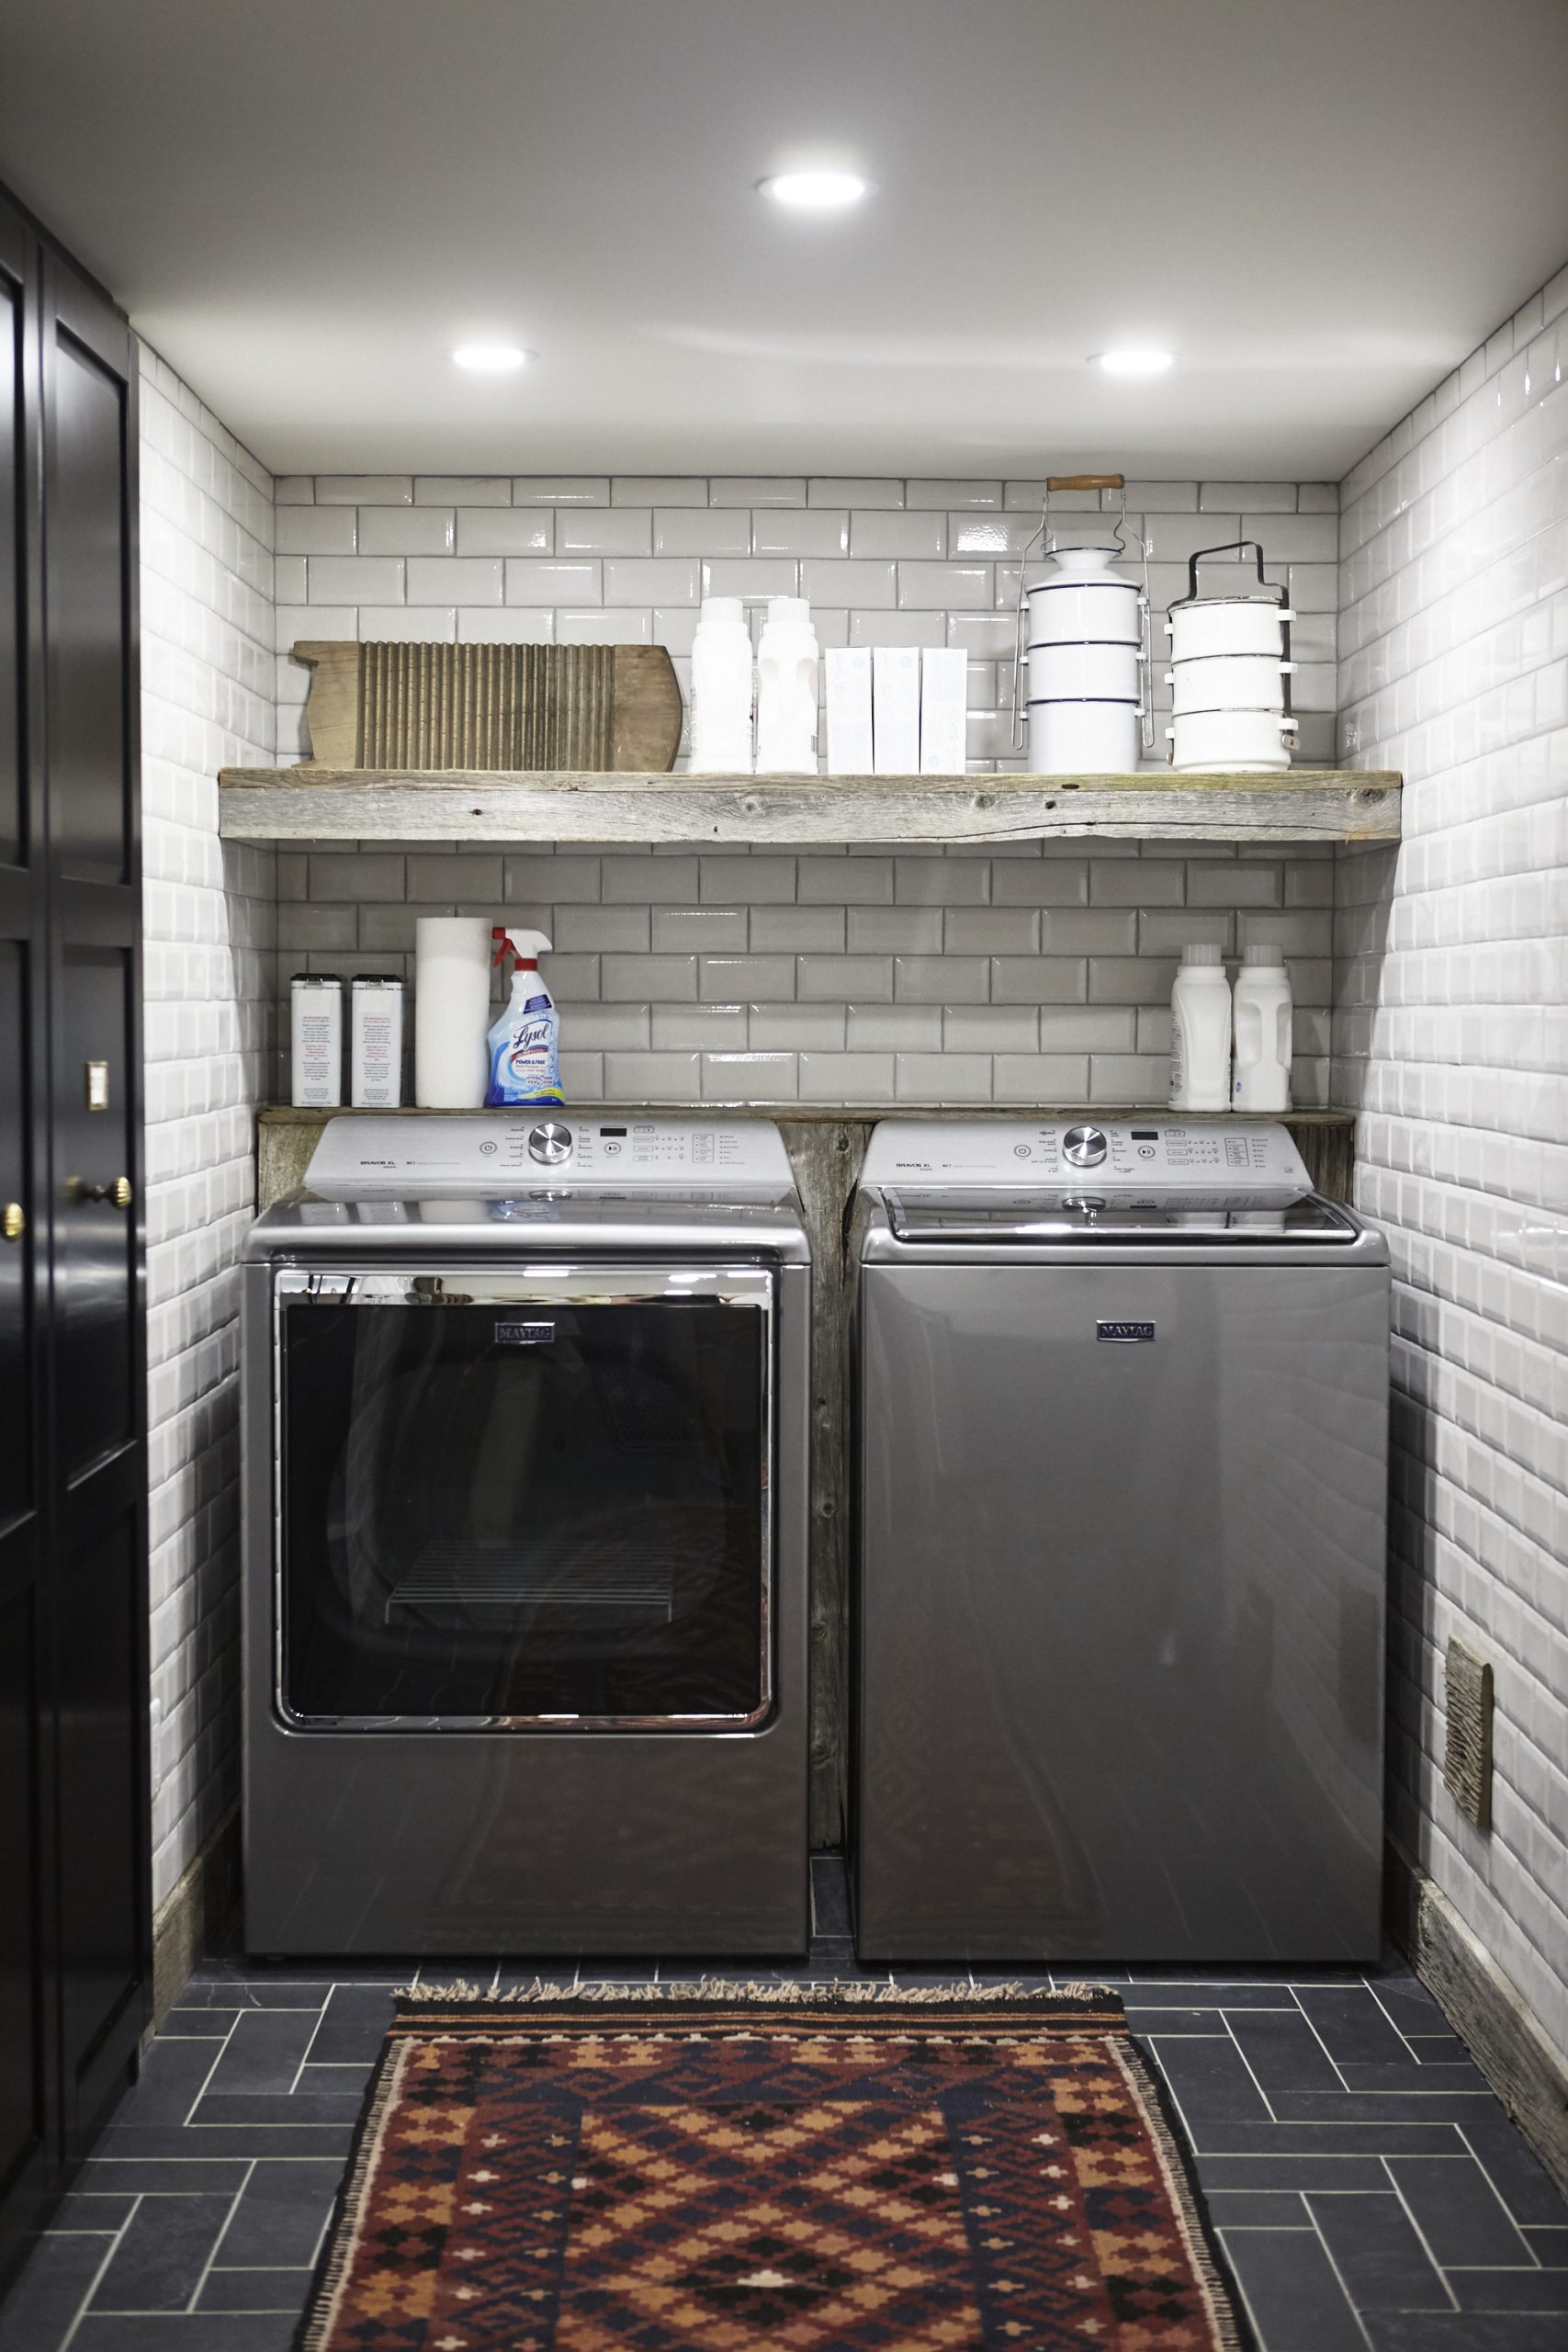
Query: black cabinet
{"points": [[74, 1893]]}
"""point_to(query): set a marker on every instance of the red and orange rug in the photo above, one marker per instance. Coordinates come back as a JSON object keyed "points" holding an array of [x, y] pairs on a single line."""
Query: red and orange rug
{"points": [[767, 2169]]}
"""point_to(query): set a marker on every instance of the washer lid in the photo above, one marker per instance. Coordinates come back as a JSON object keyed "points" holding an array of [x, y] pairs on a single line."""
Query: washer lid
{"points": [[1026, 1217]]}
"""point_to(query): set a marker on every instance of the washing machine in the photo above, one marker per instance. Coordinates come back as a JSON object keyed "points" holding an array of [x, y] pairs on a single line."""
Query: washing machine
{"points": [[525, 1431], [1121, 1437]]}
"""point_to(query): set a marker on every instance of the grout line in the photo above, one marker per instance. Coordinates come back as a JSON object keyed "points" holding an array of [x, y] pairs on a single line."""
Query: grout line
{"points": [[1323, 2046], [189, 2117], [1397, 2028], [228, 2217], [310, 2039], [1235, 2045], [1339, 2277], [1518, 2227], [1420, 2233], [96, 2279]]}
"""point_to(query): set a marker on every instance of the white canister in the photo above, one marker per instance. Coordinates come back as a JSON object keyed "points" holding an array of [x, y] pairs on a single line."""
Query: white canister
{"points": [[1200, 1032], [786, 690], [1263, 1009], [1081, 597], [315, 1010], [722, 673], [1226, 741], [1084, 672], [451, 1012], [1083, 738], [1229, 681], [1222, 625], [376, 1041]]}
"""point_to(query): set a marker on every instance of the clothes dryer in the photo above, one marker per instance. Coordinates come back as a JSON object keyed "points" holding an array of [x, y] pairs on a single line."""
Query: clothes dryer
{"points": [[526, 1414]]}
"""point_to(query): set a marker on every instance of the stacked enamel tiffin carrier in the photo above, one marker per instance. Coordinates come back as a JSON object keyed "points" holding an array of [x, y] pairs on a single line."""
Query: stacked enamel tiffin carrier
{"points": [[1082, 648], [1230, 674]]}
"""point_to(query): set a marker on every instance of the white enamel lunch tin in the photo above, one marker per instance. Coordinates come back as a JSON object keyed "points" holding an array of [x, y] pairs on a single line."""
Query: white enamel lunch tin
{"points": [[1229, 681], [1226, 741]]}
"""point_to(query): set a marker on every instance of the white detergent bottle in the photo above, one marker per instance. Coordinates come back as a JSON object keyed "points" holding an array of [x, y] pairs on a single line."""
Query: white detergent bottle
{"points": [[524, 1044], [721, 689], [1200, 1033], [786, 690], [1263, 1006]]}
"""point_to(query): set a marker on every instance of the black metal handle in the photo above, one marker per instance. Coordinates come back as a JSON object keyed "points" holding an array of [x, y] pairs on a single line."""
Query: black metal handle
{"points": [[1232, 546]]}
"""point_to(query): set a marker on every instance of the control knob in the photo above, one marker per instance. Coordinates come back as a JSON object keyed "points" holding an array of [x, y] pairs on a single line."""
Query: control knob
{"points": [[550, 1142], [1084, 1147]]}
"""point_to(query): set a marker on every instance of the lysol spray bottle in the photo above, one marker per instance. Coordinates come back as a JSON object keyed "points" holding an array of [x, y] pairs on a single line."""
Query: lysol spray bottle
{"points": [[524, 1044]]}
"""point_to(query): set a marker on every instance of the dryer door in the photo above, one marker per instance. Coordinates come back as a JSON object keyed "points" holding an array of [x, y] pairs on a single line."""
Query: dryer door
{"points": [[530, 1501]]}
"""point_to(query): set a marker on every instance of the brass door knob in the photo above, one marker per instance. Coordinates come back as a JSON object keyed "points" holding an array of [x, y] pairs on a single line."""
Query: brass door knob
{"points": [[13, 1221], [118, 1195]]}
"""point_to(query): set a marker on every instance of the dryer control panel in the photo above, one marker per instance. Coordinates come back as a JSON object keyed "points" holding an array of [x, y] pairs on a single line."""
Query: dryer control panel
{"points": [[1158, 1153], [548, 1150]]}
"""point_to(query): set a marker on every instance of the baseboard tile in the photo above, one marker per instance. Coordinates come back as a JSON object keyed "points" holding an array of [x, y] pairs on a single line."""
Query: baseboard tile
{"points": [[1522, 2066], [194, 1917]]}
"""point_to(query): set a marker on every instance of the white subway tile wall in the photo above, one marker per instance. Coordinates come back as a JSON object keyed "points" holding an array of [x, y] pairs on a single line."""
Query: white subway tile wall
{"points": [[207, 688], [1453, 1038], [1020, 976]]}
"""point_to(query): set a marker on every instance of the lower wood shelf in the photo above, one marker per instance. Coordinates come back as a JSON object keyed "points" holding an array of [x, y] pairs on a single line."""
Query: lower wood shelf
{"points": [[312, 803]]}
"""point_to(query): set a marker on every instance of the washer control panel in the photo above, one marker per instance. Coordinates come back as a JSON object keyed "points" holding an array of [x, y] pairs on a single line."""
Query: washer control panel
{"points": [[502, 1151], [1168, 1154]]}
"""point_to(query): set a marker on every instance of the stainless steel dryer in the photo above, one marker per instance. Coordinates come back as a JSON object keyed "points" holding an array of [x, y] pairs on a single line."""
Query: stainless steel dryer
{"points": [[1121, 1433], [525, 1542]]}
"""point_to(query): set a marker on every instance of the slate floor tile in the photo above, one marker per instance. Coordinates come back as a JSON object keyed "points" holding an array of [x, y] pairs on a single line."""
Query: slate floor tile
{"points": [[168, 2086], [1279, 2170], [1524, 2185], [1378, 2255], [352, 2026], [1283, 2052], [1381, 2106], [1457, 2209], [175, 2175], [265, 2052], [1549, 2246], [187, 2332], [1457, 2332], [1418, 2080], [280, 2213], [166, 2245], [1351, 2022], [1287, 2282], [50, 2292], [1409, 2005], [1511, 2291], [1258, 2208], [275, 2107], [1210, 2079], [254, 2291]]}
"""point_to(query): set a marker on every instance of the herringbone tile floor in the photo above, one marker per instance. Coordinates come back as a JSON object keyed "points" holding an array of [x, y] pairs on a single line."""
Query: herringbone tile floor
{"points": [[1373, 2194]]}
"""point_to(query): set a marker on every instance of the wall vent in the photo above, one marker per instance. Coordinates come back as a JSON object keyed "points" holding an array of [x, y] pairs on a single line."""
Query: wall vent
{"points": [[1466, 1747]]}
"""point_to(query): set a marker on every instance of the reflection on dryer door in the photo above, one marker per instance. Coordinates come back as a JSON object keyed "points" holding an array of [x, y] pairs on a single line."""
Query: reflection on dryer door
{"points": [[523, 1511]]}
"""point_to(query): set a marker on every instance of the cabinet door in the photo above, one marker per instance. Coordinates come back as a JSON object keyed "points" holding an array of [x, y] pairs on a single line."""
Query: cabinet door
{"points": [[98, 1598], [26, 2082]]}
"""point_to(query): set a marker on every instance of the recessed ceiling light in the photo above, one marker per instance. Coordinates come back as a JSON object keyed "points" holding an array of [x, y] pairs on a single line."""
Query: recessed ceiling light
{"points": [[490, 358], [815, 191], [1133, 362]]}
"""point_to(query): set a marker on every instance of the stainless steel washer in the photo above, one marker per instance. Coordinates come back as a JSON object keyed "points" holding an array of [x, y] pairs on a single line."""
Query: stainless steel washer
{"points": [[526, 1414], [1121, 1433]]}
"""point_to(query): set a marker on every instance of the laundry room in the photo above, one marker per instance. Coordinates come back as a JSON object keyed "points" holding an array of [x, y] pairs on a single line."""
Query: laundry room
{"points": [[852, 723]]}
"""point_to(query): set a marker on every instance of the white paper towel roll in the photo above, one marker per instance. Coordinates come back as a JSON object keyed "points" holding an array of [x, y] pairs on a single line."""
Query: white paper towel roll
{"points": [[451, 1012]]}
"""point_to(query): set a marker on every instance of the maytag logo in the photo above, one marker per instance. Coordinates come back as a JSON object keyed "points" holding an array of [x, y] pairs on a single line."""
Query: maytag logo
{"points": [[1125, 1335], [523, 1335]]}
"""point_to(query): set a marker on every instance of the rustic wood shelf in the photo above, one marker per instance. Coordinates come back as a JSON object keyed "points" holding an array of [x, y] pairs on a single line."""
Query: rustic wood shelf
{"points": [[313, 803]]}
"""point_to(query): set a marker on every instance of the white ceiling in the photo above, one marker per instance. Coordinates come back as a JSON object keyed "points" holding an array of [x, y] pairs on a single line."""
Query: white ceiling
{"points": [[1321, 204]]}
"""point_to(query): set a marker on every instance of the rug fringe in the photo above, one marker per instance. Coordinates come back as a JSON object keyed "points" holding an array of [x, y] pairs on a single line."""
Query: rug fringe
{"points": [[718, 1990]]}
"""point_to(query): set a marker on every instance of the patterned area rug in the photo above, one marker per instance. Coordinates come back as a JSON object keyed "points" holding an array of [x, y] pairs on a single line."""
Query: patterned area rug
{"points": [[767, 2169]]}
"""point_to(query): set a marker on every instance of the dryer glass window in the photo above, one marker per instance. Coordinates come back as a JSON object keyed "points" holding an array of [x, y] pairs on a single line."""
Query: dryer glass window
{"points": [[515, 1509]]}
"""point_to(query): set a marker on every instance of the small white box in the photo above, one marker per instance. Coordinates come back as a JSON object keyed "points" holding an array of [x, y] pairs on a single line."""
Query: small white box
{"points": [[896, 710], [847, 673], [944, 684]]}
